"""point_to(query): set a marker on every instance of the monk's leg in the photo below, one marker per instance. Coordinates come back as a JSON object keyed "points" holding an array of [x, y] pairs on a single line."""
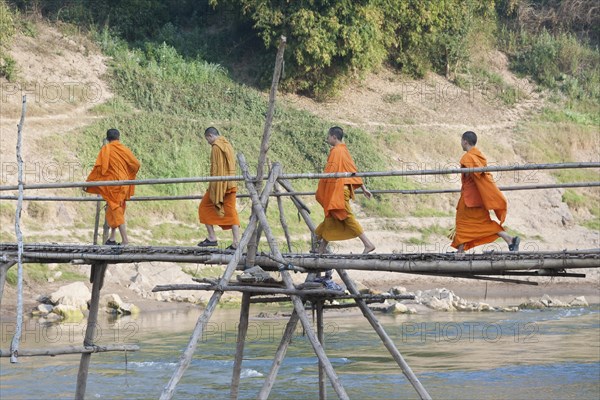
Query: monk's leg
{"points": [[235, 230], [460, 248], [123, 232], [323, 246], [113, 234], [369, 246], [511, 241], [211, 233], [507, 238]]}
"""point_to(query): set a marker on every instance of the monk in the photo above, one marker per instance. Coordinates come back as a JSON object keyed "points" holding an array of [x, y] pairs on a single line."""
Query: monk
{"points": [[479, 194], [218, 203], [334, 195], [115, 162]]}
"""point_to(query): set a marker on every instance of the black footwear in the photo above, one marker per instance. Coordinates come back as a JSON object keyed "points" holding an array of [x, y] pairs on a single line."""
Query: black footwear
{"points": [[207, 243], [112, 243], [231, 247], [514, 245]]}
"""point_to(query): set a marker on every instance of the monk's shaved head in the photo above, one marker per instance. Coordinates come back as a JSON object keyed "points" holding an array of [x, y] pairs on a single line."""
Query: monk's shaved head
{"points": [[337, 132], [211, 131], [112, 134], [470, 137]]}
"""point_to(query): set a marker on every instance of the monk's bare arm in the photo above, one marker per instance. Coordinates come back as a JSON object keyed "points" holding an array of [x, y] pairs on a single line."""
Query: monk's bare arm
{"points": [[366, 191]]}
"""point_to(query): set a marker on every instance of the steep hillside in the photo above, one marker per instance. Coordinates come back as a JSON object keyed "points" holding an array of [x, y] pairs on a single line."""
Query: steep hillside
{"points": [[394, 122]]}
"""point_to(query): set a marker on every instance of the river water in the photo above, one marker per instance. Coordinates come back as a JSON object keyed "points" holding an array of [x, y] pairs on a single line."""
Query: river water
{"points": [[551, 354]]}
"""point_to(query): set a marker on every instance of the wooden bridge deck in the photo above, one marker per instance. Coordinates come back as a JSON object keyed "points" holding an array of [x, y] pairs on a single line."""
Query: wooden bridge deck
{"points": [[550, 263]]}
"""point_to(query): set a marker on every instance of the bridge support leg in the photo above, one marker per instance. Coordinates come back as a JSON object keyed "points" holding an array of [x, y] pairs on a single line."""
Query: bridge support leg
{"points": [[321, 336], [241, 339], [389, 344], [97, 278]]}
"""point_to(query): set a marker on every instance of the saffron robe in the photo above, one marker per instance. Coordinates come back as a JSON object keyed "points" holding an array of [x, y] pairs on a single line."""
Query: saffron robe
{"points": [[334, 195], [115, 162], [218, 205], [479, 195]]}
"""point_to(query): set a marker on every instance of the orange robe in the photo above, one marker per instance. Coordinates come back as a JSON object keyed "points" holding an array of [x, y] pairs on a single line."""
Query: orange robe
{"points": [[218, 205], [115, 162], [334, 195], [479, 195]]}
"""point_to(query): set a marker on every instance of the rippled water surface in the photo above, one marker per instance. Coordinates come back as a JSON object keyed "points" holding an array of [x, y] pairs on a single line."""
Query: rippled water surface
{"points": [[525, 355]]}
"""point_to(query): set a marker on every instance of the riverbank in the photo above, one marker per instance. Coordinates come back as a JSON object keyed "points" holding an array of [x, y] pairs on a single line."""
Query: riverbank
{"points": [[126, 281]]}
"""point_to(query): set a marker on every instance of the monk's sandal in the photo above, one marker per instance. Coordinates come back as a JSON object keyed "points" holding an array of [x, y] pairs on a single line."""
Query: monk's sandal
{"points": [[208, 243], [514, 245]]}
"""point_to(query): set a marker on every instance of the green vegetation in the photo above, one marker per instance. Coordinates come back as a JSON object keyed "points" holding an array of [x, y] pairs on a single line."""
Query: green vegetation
{"points": [[40, 273], [8, 66]]}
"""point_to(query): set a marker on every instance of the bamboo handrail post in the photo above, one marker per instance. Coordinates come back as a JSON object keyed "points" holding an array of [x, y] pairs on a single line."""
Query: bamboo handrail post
{"points": [[186, 357], [14, 345], [298, 305], [97, 277], [239, 353], [264, 144], [389, 344]]}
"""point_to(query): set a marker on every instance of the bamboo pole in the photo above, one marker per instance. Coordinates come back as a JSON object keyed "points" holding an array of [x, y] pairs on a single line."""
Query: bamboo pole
{"points": [[485, 265], [186, 357], [376, 325], [239, 353], [286, 339], [389, 344], [72, 350], [489, 265], [14, 346], [97, 277], [321, 336], [4, 267], [247, 289], [450, 171], [97, 222], [295, 195], [283, 220], [366, 297], [298, 306], [264, 144], [304, 213]]}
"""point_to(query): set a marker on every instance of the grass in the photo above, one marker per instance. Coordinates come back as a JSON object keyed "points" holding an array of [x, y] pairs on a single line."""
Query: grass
{"points": [[491, 85], [162, 104], [40, 273]]}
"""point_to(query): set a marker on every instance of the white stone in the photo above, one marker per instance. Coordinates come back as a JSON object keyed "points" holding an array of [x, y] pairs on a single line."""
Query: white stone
{"points": [[45, 308], [113, 301], [398, 290], [532, 304], [579, 301], [74, 294], [398, 308], [129, 309], [440, 305]]}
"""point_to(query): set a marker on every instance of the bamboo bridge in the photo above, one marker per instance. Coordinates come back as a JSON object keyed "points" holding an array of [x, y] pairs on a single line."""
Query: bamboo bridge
{"points": [[492, 265]]}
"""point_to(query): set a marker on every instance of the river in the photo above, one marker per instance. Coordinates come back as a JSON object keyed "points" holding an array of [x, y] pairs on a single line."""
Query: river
{"points": [[550, 354]]}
